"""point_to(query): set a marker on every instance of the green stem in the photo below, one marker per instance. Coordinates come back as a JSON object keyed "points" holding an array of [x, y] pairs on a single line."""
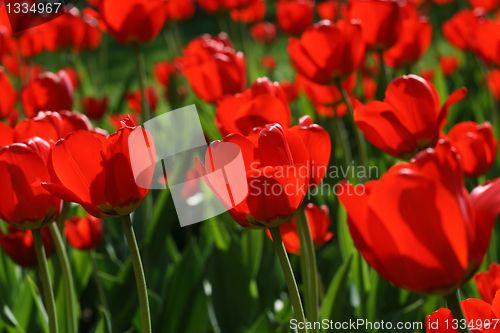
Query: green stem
{"points": [[363, 156], [383, 80], [63, 216], [290, 279], [304, 268], [139, 273], [98, 281], [141, 74], [307, 243], [67, 278], [50, 304], [453, 301], [343, 140]]}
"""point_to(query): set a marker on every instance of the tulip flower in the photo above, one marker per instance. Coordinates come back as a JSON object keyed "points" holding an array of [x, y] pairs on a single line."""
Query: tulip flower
{"points": [[73, 76], [255, 11], [381, 31], [327, 100], [47, 92], [133, 21], [163, 70], [180, 10], [413, 42], [24, 203], [263, 32], [19, 245], [459, 30], [212, 67], [4, 39], [448, 64], [329, 10], [419, 218], [134, 99], [8, 99], [263, 103], [84, 233], [369, 87], [211, 6], [51, 125], [477, 146], [488, 283], [427, 74], [488, 5], [290, 89], [479, 317], [6, 135], [408, 120], [485, 41], [319, 146], [319, 222], [268, 62], [274, 158], [493, 80], [294, 16], [31, 43], [96, 172], [94, 108], [326, 51]]}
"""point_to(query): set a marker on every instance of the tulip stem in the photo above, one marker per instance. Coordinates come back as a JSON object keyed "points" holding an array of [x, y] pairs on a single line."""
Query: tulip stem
{"points": [[453, 301], [140, 279], [98, 281], [290, 279], [141, 74], [67, 278], [342, 138], [50, 304], [306, 243], [363, 156]]}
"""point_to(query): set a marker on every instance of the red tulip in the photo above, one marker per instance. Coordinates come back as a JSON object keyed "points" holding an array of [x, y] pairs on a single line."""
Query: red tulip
{"points": [[133, 21], [96, 172], [31, 43], [84, 233], [255, 11], [163, 70], [319, 222], [212, 67], [211, 6], [19, 245], [327, 100], [273, 158], [47, 92], [263, 32], [408, 120], [6, 135], [486, 39], [261, 104], [448, 64], [4, 39], [479, 317], [493, 80], [459, 30], [134, 99], [291, 90], [413, 42], [73, 76], [51, 125], [23, 202], [319, 146], [268, 62], [294, 16], [418, 227], [477, 146], [381, 31], [121, 120], [8, 99], [326, 51], [427, 74], [180, 10], [369, 87], [329, 10], [94, 108], [65, 32], [488, 283], [488, 5]]}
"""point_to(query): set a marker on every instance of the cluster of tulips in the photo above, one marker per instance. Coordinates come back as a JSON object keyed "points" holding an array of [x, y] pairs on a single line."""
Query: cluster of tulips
{"points": [[359, 84]]}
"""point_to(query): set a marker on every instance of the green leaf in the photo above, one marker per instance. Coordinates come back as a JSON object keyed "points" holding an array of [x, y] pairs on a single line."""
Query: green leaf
{"points": [[335, 296], [345, 240], [42, 318], [252, 244]]}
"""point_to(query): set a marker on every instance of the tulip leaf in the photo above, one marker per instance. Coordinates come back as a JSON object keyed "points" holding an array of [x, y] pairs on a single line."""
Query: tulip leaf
{"points": [[345, 240], [42, 317], [252, 242], [335, 295]]}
